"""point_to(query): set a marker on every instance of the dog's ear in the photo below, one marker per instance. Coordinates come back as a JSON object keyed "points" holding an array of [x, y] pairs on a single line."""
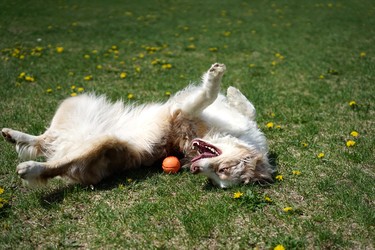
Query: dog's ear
{"points": [[257, 170]]}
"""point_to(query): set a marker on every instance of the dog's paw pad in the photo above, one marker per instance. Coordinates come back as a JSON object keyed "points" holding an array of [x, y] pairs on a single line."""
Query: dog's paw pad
{"points": [[6, 133]]}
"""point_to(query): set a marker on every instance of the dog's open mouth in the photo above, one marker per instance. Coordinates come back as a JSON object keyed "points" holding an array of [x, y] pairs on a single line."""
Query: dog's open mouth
{"points": [[204, 149]]}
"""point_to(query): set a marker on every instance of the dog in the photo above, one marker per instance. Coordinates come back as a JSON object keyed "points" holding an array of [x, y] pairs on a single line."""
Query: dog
{"points": [[91, 138]]}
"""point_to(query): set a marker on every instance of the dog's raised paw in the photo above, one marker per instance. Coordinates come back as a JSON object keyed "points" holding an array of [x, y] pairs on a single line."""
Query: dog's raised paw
{"points": [[217, 68], [6, 133]]}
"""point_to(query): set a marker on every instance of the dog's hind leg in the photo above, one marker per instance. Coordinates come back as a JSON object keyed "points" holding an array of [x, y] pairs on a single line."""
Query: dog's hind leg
{"points": [[27, 146], [207, 93], [95, 160], [238, 101]]}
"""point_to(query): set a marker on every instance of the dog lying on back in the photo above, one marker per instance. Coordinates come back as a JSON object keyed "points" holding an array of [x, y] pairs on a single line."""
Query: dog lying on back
{"points": [[90, 138]]}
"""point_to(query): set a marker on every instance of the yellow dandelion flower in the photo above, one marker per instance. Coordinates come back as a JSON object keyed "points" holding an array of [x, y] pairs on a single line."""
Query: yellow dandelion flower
{"points": [[321, 77], [296, 172], [86, 56], [279, 247], [123, 75], [227, 33], [1, 190], [320, 155], [49, 90], [58, 87], [155, 61], [167, 93], [191, 47], [137, 69], [94, 51], [22, 75], [29, 78], [287, 209], [73, 94], [130, 96], [267, 199], [80, 89], [114, 47], [99, 66], [252, 65], [59, 49], [354, 133], [273, 63], [278, 55], [278, 126], [304, 144], [362, 54], [237, 195], [279, 177], [167, 66], [352, 103], [213, 49], [270, 125], [88, 78], [350, 143]]}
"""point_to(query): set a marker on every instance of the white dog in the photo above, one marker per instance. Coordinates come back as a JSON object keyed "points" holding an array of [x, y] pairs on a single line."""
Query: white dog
{"points": [[90, 138]]}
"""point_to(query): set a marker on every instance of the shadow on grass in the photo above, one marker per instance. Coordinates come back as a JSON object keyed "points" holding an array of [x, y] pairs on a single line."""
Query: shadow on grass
{"points": [[56, 196]]}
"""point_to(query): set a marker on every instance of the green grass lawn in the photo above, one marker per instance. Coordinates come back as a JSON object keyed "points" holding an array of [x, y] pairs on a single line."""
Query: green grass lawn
{"points": [[308, 67]]}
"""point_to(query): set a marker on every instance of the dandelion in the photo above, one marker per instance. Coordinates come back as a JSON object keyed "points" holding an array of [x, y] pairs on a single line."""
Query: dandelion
{"points": [[167, 66], [322, 77], [268, 199], [354, 133], [191, 47], [130, 96], [296, 172], [320, 155], [213, 49], [287, 209], [123, 75], [88, 78], [168, 93], [252, 65], [86, 56], [29, 78], [362, 54], [58, 87], [99, 66], [237, 195], [137, 69], [114, 47], [155, 61], [94, 51], [49, 90], [1, 190], [279, 247], [73, 87], [22, 75], [350, 143], [73, 94], [227, 33], [278, 126], [270, 125], [80, 89], [304, 144], [273, 63], [279, 177], [59, 49], [352, 104]]}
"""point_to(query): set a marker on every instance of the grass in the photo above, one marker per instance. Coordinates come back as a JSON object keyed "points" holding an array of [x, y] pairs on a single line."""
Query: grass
{"points": [[300, 63]]}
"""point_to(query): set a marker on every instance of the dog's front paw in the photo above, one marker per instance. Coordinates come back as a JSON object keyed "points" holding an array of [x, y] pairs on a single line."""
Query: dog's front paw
{"points": [[7, 134], [30, 170], [216, 70]]}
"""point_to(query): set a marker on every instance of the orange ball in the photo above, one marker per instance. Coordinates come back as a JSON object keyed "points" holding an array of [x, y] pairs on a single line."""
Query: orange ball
{"points": [[171, 165]]}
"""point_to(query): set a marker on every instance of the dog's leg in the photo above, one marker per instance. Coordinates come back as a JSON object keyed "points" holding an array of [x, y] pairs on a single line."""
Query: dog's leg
{"points": [[95, 160], [238, 101], [27, 146], [207, 93]]}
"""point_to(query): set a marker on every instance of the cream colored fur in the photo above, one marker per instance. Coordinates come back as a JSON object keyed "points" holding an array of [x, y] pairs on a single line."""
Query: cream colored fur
{"points": [[91, 138]]}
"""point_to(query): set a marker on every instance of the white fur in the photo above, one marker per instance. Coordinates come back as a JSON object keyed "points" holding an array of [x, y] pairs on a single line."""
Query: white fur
{"points": [[90, 138]]}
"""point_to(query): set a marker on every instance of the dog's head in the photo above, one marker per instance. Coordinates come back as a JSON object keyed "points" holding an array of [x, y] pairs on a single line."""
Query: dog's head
{"points": [[226, 161]]}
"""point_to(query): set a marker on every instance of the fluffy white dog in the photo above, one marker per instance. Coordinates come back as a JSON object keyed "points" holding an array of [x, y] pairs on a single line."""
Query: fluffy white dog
{"points": [[90, 138]]}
